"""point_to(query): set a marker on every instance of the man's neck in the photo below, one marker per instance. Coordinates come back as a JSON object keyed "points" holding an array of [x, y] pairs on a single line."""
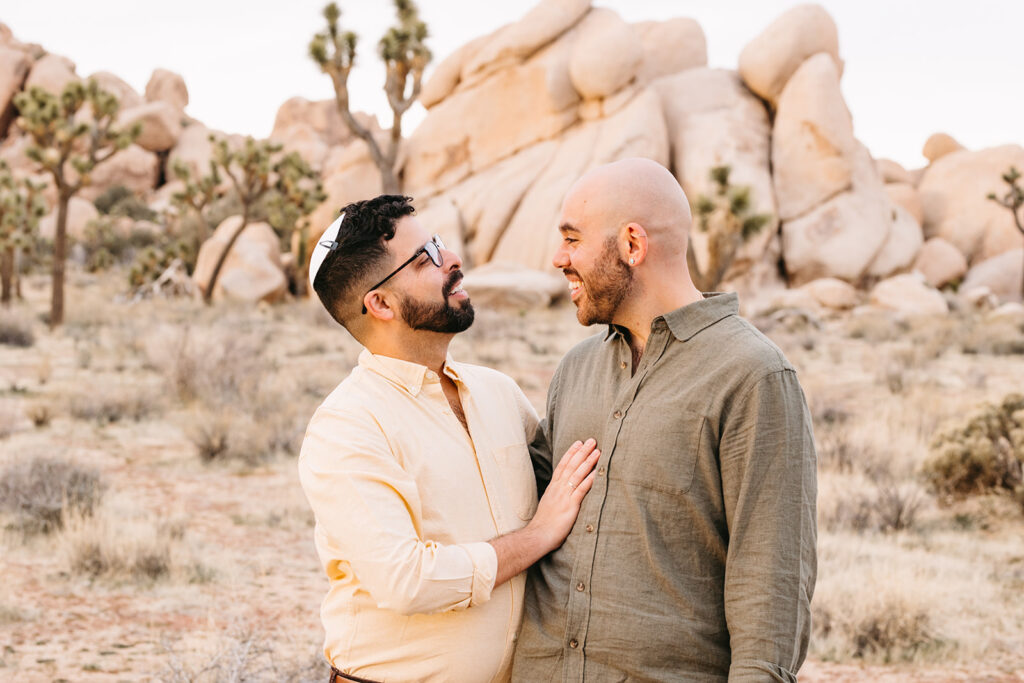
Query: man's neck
{"points": [[423, 348], [648, 304]]}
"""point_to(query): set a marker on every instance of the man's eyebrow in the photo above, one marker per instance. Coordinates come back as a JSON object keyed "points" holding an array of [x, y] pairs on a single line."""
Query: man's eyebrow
{"points": [[567, 227]]}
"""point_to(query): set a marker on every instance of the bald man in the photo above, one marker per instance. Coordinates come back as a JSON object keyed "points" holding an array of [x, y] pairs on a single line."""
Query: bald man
{"points": [[693, 557]]}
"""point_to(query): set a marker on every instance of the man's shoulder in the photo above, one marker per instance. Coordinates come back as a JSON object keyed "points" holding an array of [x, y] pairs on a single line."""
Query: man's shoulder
{"points": [[746, 347]]}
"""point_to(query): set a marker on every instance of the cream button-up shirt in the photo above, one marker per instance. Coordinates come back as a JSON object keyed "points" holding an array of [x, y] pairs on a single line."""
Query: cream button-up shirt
{"points": [[405, 501]]}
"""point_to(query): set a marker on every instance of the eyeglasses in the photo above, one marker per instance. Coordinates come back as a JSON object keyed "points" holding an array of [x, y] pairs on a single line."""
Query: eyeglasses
{"points": [[432, 249]]}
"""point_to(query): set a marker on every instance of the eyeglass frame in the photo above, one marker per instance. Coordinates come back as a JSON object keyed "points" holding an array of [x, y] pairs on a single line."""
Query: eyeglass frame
{"points": [[435, 257]]}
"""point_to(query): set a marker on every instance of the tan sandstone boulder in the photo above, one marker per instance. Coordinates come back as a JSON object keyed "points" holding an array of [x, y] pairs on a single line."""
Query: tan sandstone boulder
{"points": [[323, 116], [769, 60], [893, 172], [906, 196], [14, 69], [1001, 274], [545, 22], [303, 139], [940, 262], [51, 73], [360, 181], [126, 95], [80, 213], [910, 295], [167, 86], [713, 120], [901, 246], [252, 271], [192, 149], [597, 71], [953, 195], [447, 75], [939, 145], [441, 217], [499, 285], [832, 293], [133, 167], [161, 124], [669, 47]]}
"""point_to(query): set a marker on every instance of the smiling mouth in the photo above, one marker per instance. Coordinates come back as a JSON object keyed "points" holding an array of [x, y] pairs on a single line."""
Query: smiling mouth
{"points": [[454, 287]]}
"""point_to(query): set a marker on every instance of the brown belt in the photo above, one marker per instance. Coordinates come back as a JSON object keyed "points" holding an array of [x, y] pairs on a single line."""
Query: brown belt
{"points": [[337, 676]]}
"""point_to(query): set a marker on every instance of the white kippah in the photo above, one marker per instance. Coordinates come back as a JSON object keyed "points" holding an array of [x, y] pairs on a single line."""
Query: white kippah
{"points": [[324, 246]]}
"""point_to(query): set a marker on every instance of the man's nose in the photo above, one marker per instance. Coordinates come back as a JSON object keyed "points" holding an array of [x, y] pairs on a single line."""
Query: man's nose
{"points": [[561, 258], [452, 261]]}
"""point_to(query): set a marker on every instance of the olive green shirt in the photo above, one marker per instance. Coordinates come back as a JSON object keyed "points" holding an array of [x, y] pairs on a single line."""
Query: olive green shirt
{"points": [[693, 557]]}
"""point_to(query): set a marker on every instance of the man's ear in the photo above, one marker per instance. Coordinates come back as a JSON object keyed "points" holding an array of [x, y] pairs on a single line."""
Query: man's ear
{"points": [[634, 244], [378, 305]]}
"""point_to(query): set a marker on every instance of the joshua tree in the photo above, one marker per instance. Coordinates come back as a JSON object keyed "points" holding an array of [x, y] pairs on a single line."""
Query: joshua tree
{"points": [[727, 218], [68, 145], [288, 188], [21, 206], [296, 193], [405, 56], [192, 201], [1013, 200]]}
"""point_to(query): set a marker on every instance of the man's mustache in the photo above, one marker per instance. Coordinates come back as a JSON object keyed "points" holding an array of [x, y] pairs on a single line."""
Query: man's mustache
{"points": [[450, 283]]}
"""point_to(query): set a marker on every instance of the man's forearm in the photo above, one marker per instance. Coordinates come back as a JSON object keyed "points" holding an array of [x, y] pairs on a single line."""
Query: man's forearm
{"points": [[518, 550]]}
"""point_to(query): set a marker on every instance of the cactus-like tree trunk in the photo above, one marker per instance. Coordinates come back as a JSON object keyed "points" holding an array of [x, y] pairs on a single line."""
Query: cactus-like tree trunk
{"points": [[208, 292], [6, 275], [60, 248]]}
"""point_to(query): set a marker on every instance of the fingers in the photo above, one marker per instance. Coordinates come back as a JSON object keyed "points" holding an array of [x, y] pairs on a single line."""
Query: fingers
{"points": [[576, 454], [585, 466], [580, 491]]}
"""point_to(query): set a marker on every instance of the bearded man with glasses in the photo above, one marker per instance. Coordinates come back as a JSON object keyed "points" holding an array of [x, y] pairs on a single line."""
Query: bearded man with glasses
{"points": [[417, 467]]}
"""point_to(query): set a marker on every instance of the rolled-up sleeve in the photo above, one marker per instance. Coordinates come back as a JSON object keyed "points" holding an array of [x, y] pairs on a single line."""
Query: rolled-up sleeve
{"points": [[769, 486], [366, 504]]}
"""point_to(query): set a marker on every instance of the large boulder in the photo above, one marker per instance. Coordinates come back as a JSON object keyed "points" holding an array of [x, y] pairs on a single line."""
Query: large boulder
{"points": [[636, 130], [51, 73], [447, 75], [939, 145], [893, 172], [133, 167], [303, 139], [910, 295], [512, 43], [669, 47], [1003, 275], [900, 248], [595, 70], [441, 216], [323, 116], [940, 262], [476, 126], [954, 197], [193, 149], [14, 68], [906, 196], [831, 293], [125, 93], [769, 60], [359, 181], [80, 213], [252, 270], [713, 120], [161, 124], [813, 146], [167, 86], [508, 285]]}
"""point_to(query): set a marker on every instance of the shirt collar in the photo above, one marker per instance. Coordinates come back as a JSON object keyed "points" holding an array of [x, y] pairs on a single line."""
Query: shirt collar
{"points": [[687, 321], [410, 376]]}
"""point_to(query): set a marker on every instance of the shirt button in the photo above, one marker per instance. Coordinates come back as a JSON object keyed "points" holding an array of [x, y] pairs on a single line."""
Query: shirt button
{"points": [[623, 365], [574, 643], [618, 414], [590, 528], [580, 587], [600, 471]]}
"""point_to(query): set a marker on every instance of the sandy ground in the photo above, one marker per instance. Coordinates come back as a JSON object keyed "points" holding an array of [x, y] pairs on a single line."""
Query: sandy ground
{"points": [[241, 599]]}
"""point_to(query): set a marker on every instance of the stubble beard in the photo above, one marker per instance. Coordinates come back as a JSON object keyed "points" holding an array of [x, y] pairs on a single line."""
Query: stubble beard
{"points": [[439, 316], [605, 288]]}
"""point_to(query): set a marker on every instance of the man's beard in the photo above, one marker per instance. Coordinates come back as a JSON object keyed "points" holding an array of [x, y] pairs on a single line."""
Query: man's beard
{"points": [[438, 316], [604, 288]]}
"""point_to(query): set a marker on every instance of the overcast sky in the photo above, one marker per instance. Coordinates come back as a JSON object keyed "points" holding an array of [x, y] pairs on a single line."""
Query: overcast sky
{"points": [[912, 67]]}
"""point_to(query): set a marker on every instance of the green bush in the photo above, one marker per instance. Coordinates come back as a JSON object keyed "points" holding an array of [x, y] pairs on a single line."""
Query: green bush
{"points": [[120, 201], [983, 453]]}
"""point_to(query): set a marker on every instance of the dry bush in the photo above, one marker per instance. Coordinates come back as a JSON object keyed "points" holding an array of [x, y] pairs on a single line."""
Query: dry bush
{"points": [[39, 493], [138, 548], [860, 504], [16, 330], [983, 452], [247, 654], [40, 413], [995, 338], [114, 404], [876, 327], [250, 436], [887, 632], [8, 420]]}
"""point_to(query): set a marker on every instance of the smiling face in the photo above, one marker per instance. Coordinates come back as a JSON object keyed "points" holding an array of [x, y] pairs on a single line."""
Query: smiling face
{"points": [[599, 280], [429, 298]]}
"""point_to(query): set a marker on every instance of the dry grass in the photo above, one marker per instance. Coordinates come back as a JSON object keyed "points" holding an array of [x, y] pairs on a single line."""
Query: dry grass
{"points": [[245, 654], [114, 403], [16, 329], [40, 493]]}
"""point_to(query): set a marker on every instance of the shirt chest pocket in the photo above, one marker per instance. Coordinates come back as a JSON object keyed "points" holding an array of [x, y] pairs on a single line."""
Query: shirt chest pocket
{"points": [[658, 451], [520, 483]]}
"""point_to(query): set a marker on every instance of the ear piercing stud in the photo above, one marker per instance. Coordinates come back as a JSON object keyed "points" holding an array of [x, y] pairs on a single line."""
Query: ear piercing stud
{"points": [[632, 262]]}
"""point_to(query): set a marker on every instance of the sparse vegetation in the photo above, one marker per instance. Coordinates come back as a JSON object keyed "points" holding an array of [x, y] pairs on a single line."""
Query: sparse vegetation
{"points": [[40, 492], [15, 330], [982, 453], [1012, 201]]}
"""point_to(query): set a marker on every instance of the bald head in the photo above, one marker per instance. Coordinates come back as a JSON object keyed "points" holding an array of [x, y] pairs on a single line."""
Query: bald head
{"points": [[637, 191]]}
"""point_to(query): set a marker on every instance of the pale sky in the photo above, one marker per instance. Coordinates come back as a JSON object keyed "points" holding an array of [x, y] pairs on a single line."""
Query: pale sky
{"points": [[912, 67]]}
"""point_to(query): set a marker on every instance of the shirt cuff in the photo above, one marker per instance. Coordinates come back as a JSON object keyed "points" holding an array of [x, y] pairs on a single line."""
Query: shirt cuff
{"points": [[485, 570], [757, 671]]}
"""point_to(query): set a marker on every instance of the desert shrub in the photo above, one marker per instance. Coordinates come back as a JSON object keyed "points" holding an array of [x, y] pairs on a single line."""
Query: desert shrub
{"points": [[41, 492], [106, 243], [139, 549], [982, 453], [882, 506], [884, 631], [120, 201], [215, 368], [223, 434], [114, 404], [39, 413], [995, 338], [8, 421], [876, 327], [15, 330]]}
